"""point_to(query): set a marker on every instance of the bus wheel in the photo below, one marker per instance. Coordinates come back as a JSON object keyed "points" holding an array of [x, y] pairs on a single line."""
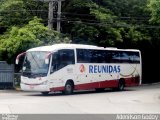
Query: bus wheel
{"points": [[68, 88], [45, 93], [121, 85]]}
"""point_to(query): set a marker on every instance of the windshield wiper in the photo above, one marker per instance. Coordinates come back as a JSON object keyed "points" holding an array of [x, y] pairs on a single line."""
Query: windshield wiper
{"points": [[35, 60]]}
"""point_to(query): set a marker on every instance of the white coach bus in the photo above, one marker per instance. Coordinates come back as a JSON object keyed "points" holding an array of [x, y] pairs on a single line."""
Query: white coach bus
{"points": [[69, 67]]}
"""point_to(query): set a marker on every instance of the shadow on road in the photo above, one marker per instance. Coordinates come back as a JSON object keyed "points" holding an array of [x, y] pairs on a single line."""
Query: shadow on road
{"points": [[82, 92], [143, 87]]}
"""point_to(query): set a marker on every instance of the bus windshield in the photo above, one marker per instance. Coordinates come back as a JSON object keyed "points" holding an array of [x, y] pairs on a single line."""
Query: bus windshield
{"points": [[34, 64]]}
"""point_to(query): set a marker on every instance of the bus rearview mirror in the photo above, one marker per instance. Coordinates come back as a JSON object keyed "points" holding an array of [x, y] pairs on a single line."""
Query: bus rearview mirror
{"points": [[17, 58], [17, 61], [46, 61]]}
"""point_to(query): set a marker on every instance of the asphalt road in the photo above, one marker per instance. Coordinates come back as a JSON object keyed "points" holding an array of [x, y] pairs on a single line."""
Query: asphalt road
{"points": [[141, 99]]}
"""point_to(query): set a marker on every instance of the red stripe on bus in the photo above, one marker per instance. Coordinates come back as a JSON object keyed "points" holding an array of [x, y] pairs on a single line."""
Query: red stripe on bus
{"points": [[102, 84], [57, 89]]}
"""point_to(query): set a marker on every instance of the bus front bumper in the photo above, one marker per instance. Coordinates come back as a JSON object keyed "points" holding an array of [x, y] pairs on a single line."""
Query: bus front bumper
{"points": [[34, 87]]}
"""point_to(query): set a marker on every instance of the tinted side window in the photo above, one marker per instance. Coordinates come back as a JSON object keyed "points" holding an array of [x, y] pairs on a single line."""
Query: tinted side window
{"points": [[66, 57], [83, 56], [106, 56], [125, 57], [98, 56], [129, 57], [136, 57], [61, 59], [115, 56], [94, 56], [89, 56]]}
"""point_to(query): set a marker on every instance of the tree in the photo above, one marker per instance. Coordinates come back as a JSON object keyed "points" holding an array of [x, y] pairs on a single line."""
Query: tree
{"points": [[83, 33], [33, 34], [154, 7], [12, 12], [111, 20], [19, 12], [91, 23]]}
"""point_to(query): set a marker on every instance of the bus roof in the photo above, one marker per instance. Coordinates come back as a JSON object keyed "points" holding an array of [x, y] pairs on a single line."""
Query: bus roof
{"points": [[54, 47], [62, 46]]}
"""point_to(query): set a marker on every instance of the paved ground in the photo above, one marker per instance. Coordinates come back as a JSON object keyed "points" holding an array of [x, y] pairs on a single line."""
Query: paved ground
{"points": [[142, 99]]}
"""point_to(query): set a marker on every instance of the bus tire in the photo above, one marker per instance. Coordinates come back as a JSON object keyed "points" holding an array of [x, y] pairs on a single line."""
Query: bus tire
{"points": [[45, 93], [69, 86], [121, 85]]}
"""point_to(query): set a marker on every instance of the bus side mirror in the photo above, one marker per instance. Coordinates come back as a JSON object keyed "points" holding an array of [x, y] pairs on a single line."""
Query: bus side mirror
{"points": [[17, 58], [17, 61], [46, 61]]}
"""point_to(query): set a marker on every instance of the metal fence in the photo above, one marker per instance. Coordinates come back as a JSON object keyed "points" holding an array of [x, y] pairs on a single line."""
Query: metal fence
{"points": [[6, 75]]}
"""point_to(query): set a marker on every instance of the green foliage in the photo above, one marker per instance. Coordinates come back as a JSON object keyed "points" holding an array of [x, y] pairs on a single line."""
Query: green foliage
{"points": [[101, 13], [154, 7], [12, 12], [77, 6], [93, 21], [126, 8], [107, 22], [19, 12], [84, 32], [31, 35]]}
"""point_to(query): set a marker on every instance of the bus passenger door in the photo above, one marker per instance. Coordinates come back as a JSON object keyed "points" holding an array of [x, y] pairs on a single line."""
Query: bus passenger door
{"points": [[54, 76], [62, 67]]}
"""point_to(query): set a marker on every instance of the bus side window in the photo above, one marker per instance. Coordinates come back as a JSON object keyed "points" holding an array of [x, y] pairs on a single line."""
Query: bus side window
{"points": [[124, 57], [66, 57], [83, 56], [136, 57], [115, 57]]}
